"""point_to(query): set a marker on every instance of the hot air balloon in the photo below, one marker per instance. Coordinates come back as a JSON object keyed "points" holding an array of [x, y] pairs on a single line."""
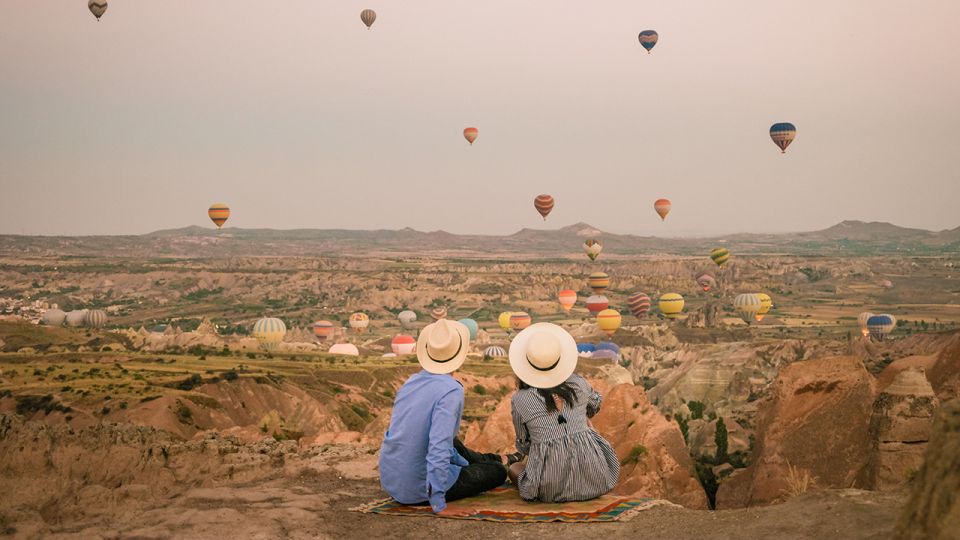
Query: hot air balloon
{"points": [[95, 318], [323, 330], [438, 313], [544, 204], [862, 322], [598, 281], [648, 39], [720, 256], [593, 248], [472, 326], [76, 317], [407, 319], [880, 326], [609, 321], [504, 321], [597, 303], [662, 206], [520, 320], [359, 321], [53, 317], [494, 351], [269, 332], [766, 303], [348, 349], [368, 16], [782, 135], [97, 7], [403, 344], [567, 298], [706, 281], [470, 134], [671, 305], [218, 213], [586, 347], [639, 304], [747, 305]]}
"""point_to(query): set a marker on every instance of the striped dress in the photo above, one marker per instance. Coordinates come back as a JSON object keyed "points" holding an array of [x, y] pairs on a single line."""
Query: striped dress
{"points": [[565, 461]]}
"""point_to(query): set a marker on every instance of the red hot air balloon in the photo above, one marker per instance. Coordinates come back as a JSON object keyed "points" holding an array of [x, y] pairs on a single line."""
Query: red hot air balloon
{"points": [[639, 304], [543, 204], [323, 330], [597, 303], [662, 206], [470, 134]]}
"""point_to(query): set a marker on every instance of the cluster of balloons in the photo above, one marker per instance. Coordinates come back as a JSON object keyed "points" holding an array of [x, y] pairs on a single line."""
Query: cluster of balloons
{"points": [[752, 306], [92, 318]]}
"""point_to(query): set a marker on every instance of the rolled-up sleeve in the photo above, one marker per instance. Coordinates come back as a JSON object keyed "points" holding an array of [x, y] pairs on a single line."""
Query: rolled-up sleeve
{"points": [[594, 401], [523, 436], [445, 421]]}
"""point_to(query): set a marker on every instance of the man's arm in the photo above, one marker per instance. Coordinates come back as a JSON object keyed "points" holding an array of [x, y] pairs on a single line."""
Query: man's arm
{"points": [[443, 428]]}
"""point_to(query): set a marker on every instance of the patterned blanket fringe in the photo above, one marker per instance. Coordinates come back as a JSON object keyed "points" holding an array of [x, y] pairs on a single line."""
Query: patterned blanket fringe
{"points": [[646, 505], [367, 508]]}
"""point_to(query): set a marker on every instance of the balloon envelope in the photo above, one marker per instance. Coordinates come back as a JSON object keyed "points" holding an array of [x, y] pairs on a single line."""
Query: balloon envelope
{"points": [[76, 317], [586, 347], [567, 298], [470, 134], [609, 321], [438, 313], [783, 134], [520, 320], [648, 39], [504, 320], [639, 304], [53, 317], [747, 306], [95, 318], [348, 349], [472, 326], [218, 214], [593, 248], [97, 7], [597, 303], [323, 330], [598, 281], [494, 351], [862, 322], [880, 326], [720, 256], [671, 305], [359, 321], [662, 206], [766, 303], [544, 204], [706, 281], [269, 332], [403, 344], [368, 16], [407, 318]]}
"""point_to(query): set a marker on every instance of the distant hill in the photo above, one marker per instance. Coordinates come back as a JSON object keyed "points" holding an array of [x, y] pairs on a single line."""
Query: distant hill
{"points": [[850, 237]]}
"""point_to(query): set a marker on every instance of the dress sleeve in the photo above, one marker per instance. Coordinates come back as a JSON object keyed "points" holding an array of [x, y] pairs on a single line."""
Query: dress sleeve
{"points": [[443, 428], [523, 436], [594, 399]]}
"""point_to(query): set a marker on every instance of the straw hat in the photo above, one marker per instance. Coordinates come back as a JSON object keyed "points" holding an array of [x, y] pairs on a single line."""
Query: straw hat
{"points": [[543, 355], [442, 346]]}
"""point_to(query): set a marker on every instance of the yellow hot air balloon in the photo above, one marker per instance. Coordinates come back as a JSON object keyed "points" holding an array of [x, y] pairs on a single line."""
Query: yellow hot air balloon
{"points": [[671, 305], [598, 281], [218, 214], [504, 321], [766, 303], [359, 321], [609, 321], [269, 332], [720, 256]]}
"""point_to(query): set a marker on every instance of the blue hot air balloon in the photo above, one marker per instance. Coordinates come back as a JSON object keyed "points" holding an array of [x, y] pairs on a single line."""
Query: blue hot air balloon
{"points": [[880, 325], [472, 326], [782, 134], [586, 347], [648, 38]]}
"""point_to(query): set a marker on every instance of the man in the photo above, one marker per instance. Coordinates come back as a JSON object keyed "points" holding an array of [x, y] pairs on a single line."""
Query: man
{"points": [[421, 461]]}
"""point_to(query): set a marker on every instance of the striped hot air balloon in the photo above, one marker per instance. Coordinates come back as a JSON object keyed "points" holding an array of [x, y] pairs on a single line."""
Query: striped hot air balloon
{"points": [[438, 313], [747, 306], [783, 134], [359, 321], [766, 304], [520, 320], [218, 214], [648, 39], [598, 281], [97, 7], [880, 326], [368, 16], [862, 322], [403, 344], [597, 303], [662, 206], [470, 134], [95, 318], [639, 304], [269, 332], [567, 298], [593, 248], [472, 326], [323, 329], [609, 321], [494, 351], [504, 321], [720, 256], [544, 204], [706, 281], [671, 305]]}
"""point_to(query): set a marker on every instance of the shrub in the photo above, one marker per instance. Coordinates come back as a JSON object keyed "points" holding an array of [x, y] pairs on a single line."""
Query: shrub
{"points": [[190, 382], [479, 390], [230, 375], [720, 437], [635, 454], [684, 427], [696, 409]]}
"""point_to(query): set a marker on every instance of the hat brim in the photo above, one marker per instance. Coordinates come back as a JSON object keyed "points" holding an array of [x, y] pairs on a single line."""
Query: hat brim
{"points": [[451, 365], [543, 379]]}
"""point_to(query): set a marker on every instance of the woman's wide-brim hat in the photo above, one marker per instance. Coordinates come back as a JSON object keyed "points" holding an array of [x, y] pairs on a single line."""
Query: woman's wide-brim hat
{"points": [[543, 355], [442, 346]]}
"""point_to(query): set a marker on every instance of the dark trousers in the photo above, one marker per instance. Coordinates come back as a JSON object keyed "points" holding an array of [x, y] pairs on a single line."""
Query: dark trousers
{"points": [[485, 472]]}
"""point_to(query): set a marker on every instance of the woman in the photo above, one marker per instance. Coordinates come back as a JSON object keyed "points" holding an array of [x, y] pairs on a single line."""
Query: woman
{"points": [[566, 459]]}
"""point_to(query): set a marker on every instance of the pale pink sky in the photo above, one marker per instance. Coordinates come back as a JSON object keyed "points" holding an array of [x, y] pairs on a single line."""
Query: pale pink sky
{"points": [[297, 116]]}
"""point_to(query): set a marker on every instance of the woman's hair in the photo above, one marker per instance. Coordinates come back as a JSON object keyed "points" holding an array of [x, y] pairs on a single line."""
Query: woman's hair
{"points": [[565, 391]]}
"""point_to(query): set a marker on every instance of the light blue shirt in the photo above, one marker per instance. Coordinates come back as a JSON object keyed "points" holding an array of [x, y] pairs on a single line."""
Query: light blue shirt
{"points": [[417, 459]]}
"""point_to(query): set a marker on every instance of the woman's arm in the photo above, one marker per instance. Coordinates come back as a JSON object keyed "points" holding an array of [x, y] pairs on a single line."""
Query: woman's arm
{"points": [[523, 436], [594, 401]]}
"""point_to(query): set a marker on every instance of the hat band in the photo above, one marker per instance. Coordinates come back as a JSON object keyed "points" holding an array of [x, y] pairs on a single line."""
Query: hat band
{"points": [[548, 368], [460, 346]]}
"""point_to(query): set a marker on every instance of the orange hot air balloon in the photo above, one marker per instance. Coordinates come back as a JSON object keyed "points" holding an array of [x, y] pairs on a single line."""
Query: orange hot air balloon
{"points": [[218, 214], [323, 330], [544, 204], [470, 134], [662, 206], [567, 298], [609, 321], [520, 320]]}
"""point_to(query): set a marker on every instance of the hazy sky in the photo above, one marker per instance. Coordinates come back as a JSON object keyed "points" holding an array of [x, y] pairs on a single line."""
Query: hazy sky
{"points": [[296, 115]]}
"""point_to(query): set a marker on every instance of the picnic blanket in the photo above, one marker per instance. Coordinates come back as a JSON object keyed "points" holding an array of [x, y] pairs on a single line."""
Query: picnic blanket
{"points": [[504, 505]]}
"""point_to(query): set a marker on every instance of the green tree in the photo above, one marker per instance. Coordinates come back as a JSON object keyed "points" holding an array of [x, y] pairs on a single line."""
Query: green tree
{"points": [[720, 437], [696, 409], [684, 428]]}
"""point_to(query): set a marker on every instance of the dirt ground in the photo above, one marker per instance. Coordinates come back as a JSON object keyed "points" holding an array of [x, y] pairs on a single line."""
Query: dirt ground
{"points": [[316, 506]]}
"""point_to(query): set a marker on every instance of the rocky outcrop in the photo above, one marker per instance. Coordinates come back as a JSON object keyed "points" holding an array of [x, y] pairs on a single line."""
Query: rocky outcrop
{"points": [[933, 509], [900, 429], [815, 423]]}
